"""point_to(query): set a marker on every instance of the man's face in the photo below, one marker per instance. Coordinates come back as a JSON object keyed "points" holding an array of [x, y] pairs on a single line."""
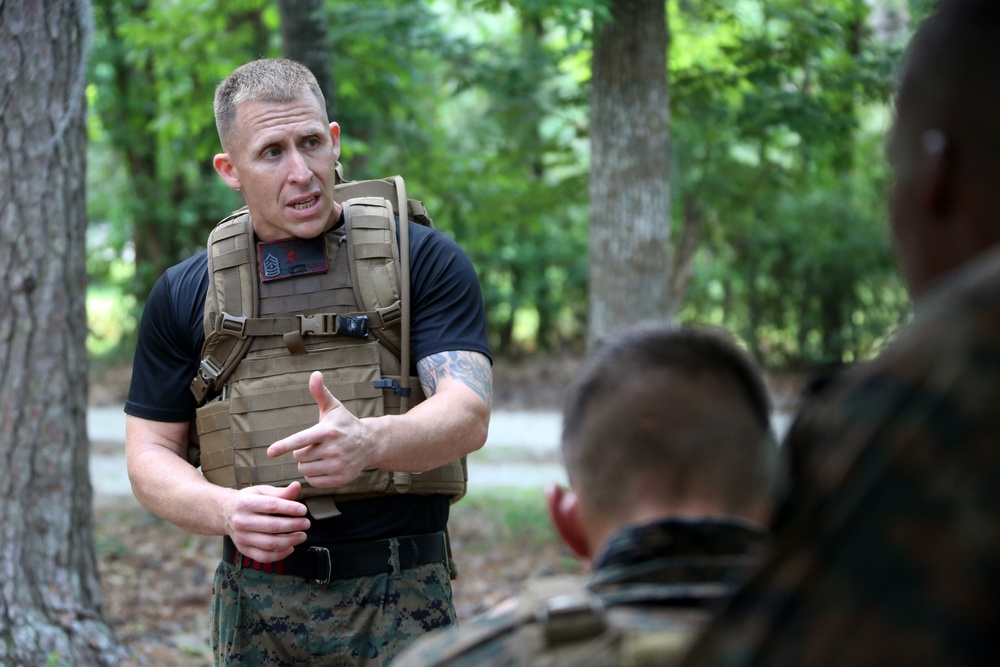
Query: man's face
{"points": [[282, 157]]}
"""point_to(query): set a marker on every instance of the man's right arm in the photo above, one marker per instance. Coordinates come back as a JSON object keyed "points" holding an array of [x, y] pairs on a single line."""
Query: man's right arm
{"points": [[264, 522]]}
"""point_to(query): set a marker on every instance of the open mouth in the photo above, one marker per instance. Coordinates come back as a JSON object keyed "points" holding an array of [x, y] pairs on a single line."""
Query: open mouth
{"points": [[302, 205]]}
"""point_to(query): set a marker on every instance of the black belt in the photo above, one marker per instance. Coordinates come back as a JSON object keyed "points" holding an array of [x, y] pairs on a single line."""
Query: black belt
{"points": [[321, 563]]}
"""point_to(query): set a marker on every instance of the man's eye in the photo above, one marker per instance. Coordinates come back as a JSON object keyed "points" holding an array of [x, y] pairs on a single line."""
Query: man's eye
{"points": [[312, 142], [272, 152]]}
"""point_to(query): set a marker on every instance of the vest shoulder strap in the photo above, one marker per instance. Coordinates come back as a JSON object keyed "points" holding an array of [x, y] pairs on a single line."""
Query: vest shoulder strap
{"points": [[386, 189], [232, 298], [374, 258]]}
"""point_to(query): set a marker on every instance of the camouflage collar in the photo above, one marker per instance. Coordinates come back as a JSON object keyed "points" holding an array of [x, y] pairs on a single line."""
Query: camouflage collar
{"points": [[674, 551]]}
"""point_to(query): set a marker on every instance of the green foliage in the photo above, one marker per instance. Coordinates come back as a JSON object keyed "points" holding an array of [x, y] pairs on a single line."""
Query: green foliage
{"points": [[153, 73], [111, 320], [779, 109], [778, 113], [526, 206], [477, 114]]}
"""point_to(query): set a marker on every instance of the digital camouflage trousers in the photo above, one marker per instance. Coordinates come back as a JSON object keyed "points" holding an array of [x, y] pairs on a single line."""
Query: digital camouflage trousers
{"points": [[272, 619]]}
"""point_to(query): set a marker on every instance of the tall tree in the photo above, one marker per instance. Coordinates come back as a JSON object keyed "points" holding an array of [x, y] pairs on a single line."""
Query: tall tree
{"points": [[305, 37], [50, 609], [630, 252]]}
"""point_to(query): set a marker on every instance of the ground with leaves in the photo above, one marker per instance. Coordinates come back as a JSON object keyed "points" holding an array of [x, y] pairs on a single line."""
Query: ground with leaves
{"points": [[157, 578]]}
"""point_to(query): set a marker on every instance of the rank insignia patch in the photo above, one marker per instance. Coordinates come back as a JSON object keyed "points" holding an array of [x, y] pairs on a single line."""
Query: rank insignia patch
{"points": [[292, 257]]}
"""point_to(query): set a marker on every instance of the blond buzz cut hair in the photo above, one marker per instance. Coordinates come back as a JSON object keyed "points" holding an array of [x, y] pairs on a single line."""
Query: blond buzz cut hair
{"points": [[264, 80]]}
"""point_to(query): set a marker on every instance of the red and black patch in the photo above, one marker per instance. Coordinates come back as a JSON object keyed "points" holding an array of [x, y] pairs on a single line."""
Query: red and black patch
{"points": [[292, 257]]}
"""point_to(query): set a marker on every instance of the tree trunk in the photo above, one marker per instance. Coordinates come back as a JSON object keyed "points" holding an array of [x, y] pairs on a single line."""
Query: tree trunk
{"points": [[49, 589], [305, 38], [692, 222], [629, 175]]}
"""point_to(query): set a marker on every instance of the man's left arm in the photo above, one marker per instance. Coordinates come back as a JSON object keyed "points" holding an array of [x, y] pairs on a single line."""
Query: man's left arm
{"points": [[453, 421], [454, 418]]}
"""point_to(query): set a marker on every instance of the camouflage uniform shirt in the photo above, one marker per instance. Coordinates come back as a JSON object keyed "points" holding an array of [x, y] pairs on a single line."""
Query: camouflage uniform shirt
{"points": [[889, 548], [650, 590]]}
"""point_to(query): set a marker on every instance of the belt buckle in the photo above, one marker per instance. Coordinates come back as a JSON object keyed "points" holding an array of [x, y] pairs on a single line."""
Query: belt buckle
{"points": [[322, 557]]}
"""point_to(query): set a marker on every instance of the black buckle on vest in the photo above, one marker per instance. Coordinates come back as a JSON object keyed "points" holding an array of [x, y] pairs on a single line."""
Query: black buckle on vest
{"points": [[397, 389], [354, 326]]}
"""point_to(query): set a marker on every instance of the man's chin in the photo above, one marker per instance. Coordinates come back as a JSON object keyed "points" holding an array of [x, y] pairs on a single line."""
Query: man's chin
{"points": [[308, 232], [307, 229]]}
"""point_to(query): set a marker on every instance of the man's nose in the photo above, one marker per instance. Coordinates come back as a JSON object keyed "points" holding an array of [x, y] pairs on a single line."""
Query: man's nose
{"points": [[298, 169]]}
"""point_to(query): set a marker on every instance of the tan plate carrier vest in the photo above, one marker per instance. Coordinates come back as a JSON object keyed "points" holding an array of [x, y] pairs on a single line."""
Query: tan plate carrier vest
{"points": [[264, 339]]}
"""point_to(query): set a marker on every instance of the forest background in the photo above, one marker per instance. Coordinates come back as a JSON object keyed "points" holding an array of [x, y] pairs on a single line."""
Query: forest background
{"points": [[601, 162], [778, 112]]}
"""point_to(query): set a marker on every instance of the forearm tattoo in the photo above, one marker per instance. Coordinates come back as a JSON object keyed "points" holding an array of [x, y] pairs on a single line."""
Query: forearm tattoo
{"points": [[470, 368]]}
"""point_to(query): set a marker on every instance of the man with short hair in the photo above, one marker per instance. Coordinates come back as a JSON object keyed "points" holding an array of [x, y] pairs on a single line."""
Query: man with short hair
{"points": [[334, 546], [669, 455], [888, 550]]}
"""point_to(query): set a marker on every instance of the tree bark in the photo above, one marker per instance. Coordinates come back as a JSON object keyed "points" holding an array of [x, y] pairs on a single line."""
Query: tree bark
{"points": [[49, 590], [305, 38], [629, 178]]}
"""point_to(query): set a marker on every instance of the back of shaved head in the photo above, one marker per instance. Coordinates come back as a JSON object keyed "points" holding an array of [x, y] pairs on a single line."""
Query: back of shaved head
{"points": [[949, 77], [670, 414]]}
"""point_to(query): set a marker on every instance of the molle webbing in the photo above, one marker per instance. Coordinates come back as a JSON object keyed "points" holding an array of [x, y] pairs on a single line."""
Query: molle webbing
{"points": [[260, 352]]}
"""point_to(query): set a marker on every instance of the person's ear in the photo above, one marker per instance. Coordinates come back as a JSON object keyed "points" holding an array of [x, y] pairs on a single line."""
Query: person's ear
{"points": [[937, 174], [564, 512], [335, 137], [224, 166]]}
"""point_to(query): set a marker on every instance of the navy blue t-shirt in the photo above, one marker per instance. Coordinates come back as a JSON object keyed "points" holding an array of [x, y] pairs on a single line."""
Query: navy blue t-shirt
{"points": [[446, 314]]}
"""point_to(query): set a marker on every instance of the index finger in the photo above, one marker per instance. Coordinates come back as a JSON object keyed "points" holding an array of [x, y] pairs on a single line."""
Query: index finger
{"points": [[293, 442]]}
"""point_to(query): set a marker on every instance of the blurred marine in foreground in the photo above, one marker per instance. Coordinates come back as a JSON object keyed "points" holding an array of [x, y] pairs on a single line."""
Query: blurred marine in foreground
{"points": [[887, 551], [668, 450]]}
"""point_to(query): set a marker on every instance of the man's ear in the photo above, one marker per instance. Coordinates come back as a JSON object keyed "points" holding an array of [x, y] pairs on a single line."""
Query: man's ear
{"points": [[226, 170], [937, 174], [564, 512], [335, 137]]}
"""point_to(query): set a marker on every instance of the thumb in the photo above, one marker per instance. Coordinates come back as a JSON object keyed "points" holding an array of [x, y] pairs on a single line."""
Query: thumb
{"points": [[290, 492], [324, 399]]}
